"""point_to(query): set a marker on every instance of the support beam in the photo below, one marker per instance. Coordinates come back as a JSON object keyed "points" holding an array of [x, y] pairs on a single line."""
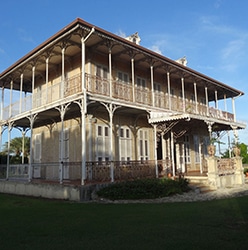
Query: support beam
{"points": [[133, 80], [32, 119], [206, 97], [183, 94], [169, 89], [21, 89], [152, 86], [196, 101], [10, 98]]}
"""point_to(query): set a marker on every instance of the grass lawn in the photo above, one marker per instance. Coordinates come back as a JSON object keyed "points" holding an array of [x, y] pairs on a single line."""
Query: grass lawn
{"points": [[29, 223]]}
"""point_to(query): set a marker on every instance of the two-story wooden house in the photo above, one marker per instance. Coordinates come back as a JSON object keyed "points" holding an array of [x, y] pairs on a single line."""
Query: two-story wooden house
{"points": [[97, 103]]}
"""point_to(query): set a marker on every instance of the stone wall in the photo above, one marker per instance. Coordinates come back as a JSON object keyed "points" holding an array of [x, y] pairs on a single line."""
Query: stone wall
{"points": [[222, 174]]}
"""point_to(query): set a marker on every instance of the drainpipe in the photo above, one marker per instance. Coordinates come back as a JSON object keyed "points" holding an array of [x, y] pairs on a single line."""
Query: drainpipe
{"points": [[84, 112]]}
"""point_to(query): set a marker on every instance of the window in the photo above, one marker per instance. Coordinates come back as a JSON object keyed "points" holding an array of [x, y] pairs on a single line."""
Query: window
{"points": [[64, 156], [123, 77], [37, 148], [157, 87], [143, 145], [102, 143], [141, 82], [125, 144]]}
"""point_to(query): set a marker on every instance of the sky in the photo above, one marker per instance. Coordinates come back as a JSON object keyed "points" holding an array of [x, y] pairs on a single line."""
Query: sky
{"points": [[212, 34]]}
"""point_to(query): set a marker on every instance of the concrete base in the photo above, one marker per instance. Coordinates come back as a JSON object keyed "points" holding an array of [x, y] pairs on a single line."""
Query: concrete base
{"points": [[40, 190]]}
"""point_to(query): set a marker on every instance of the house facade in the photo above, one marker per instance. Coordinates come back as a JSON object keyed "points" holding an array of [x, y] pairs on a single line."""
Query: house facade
{"points": [[101, 108]]}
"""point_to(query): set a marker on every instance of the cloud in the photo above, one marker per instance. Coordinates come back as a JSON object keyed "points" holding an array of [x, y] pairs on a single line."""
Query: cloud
{"points": [[2, 51], [217, 4], [121, 34], [156, 49]]}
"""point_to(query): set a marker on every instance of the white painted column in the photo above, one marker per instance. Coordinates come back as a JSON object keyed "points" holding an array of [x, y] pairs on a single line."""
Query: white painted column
{"points": [[111, 141], [206, 96], [47, 75], [21, 89], [33, 79], [196, 101], [133, 80], [216, 99], [110, 74], [183, 94], [233, 108], [155, 149], [83, 108], [172, 154], [200, 156], [169, 89], [83, 114], [62, 74], [8, 156], [30, 170], [10, 98], [152, 87], [183, 153], [225, 104]]}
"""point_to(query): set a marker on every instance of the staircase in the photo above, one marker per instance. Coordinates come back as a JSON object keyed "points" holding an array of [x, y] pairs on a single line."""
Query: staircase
{"points": [[200, 184]]}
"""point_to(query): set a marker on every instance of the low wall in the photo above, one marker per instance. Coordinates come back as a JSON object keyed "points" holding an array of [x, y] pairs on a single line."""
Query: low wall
{"points": [[50, 191], [41, 190], [221, 176]]}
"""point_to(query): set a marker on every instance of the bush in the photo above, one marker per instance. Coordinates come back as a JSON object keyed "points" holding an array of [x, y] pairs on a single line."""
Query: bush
{"points": [[144, 189]]}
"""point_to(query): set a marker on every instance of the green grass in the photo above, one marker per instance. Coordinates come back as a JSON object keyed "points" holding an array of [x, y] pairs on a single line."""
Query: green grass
{"points": [[29, 223]]}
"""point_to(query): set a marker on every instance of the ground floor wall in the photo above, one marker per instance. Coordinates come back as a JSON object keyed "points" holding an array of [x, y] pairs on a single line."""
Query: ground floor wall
{"points": [[40, 190]]}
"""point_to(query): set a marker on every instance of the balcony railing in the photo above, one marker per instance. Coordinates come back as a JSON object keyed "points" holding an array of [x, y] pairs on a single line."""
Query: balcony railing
{"points": [[120, 90]]}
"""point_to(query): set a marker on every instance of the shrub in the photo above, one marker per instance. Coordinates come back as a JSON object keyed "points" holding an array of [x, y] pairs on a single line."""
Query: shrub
{"points": [[144, 189]]}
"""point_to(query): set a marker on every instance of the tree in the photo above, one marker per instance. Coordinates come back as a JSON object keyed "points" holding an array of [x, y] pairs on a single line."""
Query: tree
{"points": [[243, 153], [16, 146]]}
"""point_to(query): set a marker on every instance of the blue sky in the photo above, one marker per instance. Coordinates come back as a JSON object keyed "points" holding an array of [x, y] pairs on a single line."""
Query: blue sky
{"points": [[212, 34]]}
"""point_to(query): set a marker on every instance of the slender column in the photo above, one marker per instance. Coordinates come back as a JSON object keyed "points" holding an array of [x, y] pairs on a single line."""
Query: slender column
{"points": [[31, 120], [111, 141], [110, 74], [152, 86], [62, 110], [33, 79], [8, 156], [133, 80], [169, 89], [10, 98], [200, 157], [84, 108], [155, 149], [47, 75], [23, 142], [216, 99], [183, 94], [183, 153], [196, 101], [83, 114], [21, 88], [172, 154], [63, 73], [225, 105], [206, 96], [234, 110]]}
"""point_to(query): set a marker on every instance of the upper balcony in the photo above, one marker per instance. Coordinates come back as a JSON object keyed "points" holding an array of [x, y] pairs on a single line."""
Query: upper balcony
{"points": [[123, 93]]}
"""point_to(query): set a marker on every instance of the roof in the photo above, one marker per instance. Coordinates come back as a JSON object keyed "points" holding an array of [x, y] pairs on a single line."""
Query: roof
{"points": [[79, 23]]}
